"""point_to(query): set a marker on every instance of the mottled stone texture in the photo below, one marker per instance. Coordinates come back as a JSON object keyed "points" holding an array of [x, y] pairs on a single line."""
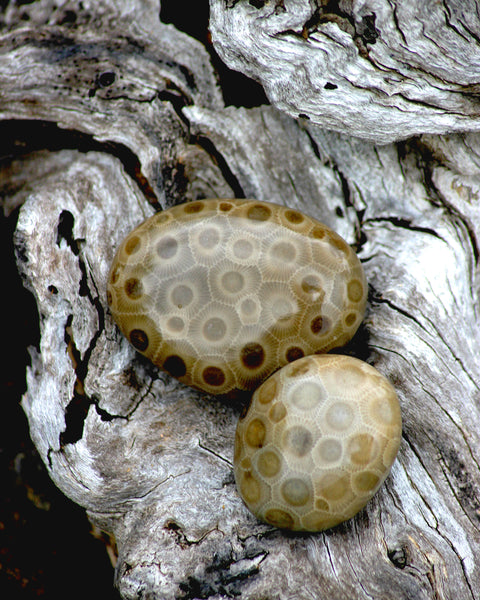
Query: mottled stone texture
{"points": [[221, 293], [120, 115], [318, 440]]}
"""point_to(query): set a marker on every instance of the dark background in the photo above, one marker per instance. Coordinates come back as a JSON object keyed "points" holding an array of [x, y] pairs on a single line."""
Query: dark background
{"points": [[47, 547]]}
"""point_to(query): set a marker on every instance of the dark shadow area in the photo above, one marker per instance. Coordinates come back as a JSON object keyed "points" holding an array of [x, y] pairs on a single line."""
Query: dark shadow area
{"points": [[192, 18], [19, 137], [46, 546]]}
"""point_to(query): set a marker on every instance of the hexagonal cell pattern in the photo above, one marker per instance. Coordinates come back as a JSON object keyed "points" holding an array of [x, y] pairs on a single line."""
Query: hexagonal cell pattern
{"points": [[221, 293], [316, 443]]}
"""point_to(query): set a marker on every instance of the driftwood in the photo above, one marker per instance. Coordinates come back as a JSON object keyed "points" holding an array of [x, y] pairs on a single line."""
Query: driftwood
{"points": [[377, 69], [150, 459]]}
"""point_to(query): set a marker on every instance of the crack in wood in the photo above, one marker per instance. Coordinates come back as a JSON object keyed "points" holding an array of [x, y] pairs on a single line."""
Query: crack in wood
{"points": [[216, 454], [218, 159], [226, 574], [404, 223], [77, 409]]}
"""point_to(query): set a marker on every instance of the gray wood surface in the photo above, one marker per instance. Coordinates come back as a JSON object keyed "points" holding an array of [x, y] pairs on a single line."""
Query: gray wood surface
{"points": [[382, 70], [151, 460]]}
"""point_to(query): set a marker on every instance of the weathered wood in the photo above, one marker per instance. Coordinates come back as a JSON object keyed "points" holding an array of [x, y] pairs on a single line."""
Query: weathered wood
{"points": [[150, 459], [111, 71], [377, 69]]}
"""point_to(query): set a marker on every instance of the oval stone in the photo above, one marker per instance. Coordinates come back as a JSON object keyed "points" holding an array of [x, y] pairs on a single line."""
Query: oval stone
{"points": [[219, 292], [323, 461]]}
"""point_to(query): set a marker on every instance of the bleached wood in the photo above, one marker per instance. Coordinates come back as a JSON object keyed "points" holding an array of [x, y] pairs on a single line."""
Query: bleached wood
{"points": [[382, 70], [150, 459]]}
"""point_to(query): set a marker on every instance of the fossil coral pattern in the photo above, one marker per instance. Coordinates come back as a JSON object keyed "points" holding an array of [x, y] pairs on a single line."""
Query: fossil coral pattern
{"points": [[317, 441], [221, 293]]}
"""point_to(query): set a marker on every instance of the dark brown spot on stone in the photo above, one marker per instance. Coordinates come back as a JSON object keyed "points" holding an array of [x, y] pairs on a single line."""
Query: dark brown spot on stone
{"points": [[193, 207], [319, 325], [175, 365], [318, 232], [132, 245], [293, 216], [258, 212], [294, 353], [225, 206], [252, 355], [350, 319], [115, 275], [109, 298], [255, 433], [133, 288], [213, 376], [139, 339], [316, 324]]}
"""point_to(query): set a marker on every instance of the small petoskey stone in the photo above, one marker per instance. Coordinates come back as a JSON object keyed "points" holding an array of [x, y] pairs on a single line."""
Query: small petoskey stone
{"points": [[221, 293], [318, 440]]}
